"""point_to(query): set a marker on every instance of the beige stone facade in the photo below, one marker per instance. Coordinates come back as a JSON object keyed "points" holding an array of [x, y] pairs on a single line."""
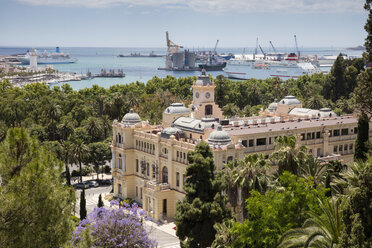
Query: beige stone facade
{"points": [[149, 162]]}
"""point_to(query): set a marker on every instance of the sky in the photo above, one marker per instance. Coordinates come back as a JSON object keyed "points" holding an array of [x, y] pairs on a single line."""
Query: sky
{"points": [[191, 23]]}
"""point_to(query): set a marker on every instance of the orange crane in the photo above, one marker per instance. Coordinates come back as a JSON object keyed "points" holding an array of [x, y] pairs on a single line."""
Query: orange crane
{"points": [[172, 47]]}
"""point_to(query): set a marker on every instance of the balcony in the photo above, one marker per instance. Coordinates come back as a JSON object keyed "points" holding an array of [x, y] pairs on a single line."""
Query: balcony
{"points": [[155, 186]]}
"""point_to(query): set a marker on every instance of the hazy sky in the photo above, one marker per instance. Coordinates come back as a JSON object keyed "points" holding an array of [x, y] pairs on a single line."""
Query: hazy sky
{"points": [[192, 23]]}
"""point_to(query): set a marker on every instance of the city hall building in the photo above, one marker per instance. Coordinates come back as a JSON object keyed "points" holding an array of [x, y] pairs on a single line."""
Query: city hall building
{"points": [[149, 162]]}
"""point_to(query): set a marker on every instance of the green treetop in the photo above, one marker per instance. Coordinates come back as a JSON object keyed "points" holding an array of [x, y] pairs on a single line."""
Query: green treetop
{"points": [[203, 205]]}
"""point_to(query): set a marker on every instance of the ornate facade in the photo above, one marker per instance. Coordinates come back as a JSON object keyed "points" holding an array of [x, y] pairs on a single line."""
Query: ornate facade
{"points": [[149, 162]]}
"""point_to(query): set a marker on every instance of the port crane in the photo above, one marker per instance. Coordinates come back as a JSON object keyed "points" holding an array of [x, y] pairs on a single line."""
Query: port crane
{"points": [[172, 47], [215, 47], [273, 47], [298, 52], [264, 54]]}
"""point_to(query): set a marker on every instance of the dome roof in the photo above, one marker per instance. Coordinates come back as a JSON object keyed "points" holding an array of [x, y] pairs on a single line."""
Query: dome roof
{"points": [[290, 100], [273, 106], [219, 137], [167, 132], [176, 108], [203, 79], [131, 118], [326, 113]]}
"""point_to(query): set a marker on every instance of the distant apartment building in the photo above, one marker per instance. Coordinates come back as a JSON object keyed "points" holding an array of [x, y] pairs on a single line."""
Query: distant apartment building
{"points": [[149, 162]]}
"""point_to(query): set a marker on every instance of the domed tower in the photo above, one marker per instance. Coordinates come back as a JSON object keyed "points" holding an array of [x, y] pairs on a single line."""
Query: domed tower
{"points": [[219, 137], [203, 105], [287, 104], [131, 118], [174, 111]]}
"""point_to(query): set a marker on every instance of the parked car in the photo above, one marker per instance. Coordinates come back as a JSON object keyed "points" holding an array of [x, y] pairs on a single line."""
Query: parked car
{"points": [[93, 184], [82, 185], [106, 182]]}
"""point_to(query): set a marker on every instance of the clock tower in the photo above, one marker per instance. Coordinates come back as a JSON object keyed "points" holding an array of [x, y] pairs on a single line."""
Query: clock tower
{"points": [[203, 105]]}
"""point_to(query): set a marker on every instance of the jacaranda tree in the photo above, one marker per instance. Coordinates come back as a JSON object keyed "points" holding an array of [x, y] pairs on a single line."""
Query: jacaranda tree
{"points": [[114, 227]]}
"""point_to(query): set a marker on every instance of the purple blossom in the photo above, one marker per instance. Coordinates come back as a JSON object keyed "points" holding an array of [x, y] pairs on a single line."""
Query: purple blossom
{"points": [[115, 227]]}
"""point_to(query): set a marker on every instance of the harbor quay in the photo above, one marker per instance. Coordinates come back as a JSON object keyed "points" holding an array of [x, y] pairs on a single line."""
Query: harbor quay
{"points": [[149, 162]]}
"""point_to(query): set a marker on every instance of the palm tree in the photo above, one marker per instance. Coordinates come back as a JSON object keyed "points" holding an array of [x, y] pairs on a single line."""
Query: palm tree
{"points": [[52, 112], [66, 127], [67, 149], [315, 169], [288, 155], [226, 176], [251, 175], [230, 109], [106, 125], [225, 235], [80, 150], [94, 128], [320, 231]]}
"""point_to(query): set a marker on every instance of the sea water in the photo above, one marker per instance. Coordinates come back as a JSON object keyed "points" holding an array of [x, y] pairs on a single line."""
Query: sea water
{"points": [[140, 69]]}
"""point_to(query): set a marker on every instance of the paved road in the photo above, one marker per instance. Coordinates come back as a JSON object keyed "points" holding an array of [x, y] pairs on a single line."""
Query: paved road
{"points": [[165, 240]]}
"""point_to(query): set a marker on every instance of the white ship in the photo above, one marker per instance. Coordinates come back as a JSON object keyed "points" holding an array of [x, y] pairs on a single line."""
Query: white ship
{"points": [[246, 67], [49, 58]]}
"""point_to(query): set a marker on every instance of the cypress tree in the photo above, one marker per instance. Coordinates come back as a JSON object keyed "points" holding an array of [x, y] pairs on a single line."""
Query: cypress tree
{"points": [[83, 209], [338, 78], [203, 205], [361, 146], [100, 202]]}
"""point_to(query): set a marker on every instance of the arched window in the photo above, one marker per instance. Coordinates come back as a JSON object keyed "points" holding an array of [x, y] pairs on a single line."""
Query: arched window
{"points": [[208, 109], [165, 175], [148, 169], [119, 138]]}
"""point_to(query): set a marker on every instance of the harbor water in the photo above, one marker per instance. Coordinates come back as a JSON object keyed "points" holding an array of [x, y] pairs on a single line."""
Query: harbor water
{"points": [[139, 69]]}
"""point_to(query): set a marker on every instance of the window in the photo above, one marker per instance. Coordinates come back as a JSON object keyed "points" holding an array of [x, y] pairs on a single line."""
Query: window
{"points": [[119, 138], [355, 130], [335, 149], [318, 152], [308, 136], [178, 154], [136, 142], [345, 147], [136, 191], [336, 132], [261, 142], [153, 171], [340, 148], [345, 131], [120, 162], [208, 110], [318, 135], [119, 188], [351, 147], [251, 142], [165, 175], [244, 143], [177, 179], [312, 135], [269, 140], [183, 179], [302, 136], [141, 192], [137, 165], [148, 169]]}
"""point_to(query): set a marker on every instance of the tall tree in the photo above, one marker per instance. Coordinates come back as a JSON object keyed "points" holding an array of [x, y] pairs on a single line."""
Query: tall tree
{"points": [[35, 207], [100, 202], [67, 153], [251, 175], [368, 28], [288, 154], [99, 154], [203, 205], [83, 205], [80, 151], [357, 214], [363, 92], [361, 146]]}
